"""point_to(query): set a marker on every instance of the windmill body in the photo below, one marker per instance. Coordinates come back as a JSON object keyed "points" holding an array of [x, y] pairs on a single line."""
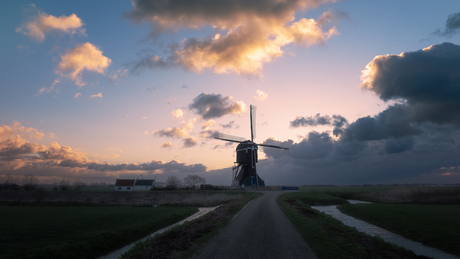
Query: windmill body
{"points": [[245, 170]]}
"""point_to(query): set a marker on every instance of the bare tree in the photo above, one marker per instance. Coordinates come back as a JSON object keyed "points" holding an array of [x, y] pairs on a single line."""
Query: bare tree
{"points": [[64, 184], [9, 181], [78, 184], [173, 182], [194, 180], [29, 181]]}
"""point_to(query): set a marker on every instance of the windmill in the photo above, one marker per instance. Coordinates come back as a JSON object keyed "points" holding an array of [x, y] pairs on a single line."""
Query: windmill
{"points": [[245, 171]]}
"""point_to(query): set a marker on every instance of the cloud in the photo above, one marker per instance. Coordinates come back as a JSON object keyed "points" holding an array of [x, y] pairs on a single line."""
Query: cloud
{"points": [[337, 121], [451, 27], [246, 35], [410, 141], [19, 156], [426, 80], [177, 114], [211, 106], [229, 125], [260, 96], [143, 118], [49, 89], [166, 145], [77, 95], [45, 23], [189, 142], [99, 95], [171, 132], [208, 124], [177, 132], [83, 57]]}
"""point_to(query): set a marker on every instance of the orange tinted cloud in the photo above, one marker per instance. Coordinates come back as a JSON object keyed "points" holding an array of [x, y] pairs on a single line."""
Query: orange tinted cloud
{"points": [[260, 96], [249, 33], [99, 95], [83, 57], [45, 23], [178, 113]]}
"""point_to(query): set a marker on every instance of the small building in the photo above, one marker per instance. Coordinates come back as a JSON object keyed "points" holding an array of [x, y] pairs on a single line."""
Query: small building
{"points": [[144, 185], [124, 184]]}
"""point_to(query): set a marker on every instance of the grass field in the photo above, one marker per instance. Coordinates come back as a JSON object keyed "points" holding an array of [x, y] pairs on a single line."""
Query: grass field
{"points": [[434, 225], [78, 232], [329, 238]]}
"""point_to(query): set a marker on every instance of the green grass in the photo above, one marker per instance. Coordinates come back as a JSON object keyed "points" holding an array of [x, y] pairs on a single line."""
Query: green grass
{"points": [[316, 199], [347, 192], [329, 238], [434, 225], [78, 232]]}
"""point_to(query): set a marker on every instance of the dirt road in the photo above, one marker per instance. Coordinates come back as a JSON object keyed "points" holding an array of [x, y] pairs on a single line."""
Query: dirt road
{"points": [[261, 230]]}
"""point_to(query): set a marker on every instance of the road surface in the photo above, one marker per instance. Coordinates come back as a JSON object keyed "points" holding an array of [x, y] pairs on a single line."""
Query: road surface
{"points": [[261, 230]]}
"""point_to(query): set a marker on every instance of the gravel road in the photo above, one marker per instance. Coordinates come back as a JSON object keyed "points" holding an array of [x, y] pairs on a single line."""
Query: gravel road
{"points": [[261, 230]]}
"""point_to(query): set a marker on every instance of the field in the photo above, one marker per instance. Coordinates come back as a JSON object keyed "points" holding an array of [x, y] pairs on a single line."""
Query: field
{"points": [[91, 222], [433, 225], [79, 232], [329, 238]]}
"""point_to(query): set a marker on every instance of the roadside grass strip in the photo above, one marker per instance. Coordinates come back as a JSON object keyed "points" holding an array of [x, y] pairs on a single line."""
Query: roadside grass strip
{"points": [[329, 238], [79, 232], [184, 240], [432, 225]]}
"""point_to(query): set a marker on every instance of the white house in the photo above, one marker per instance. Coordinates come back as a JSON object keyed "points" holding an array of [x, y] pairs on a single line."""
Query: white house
{"points": [[134, 184], [144, 184], [124, 184]]}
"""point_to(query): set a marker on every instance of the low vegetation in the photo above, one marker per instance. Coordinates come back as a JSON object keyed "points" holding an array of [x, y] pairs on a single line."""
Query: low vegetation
{"points": [[423, 195], [330, 238], [432, 225], [182, 241], [41, 197], [78, 232]]}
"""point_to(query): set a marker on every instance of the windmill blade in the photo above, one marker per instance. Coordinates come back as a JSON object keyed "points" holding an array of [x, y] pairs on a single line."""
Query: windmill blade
{"points": [[263, 145], [230, 138], [253, 121]]}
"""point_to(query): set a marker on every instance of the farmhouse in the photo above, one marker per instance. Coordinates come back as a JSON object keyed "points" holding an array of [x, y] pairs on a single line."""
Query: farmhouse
{"points": [[144, 185], [134, 184]]}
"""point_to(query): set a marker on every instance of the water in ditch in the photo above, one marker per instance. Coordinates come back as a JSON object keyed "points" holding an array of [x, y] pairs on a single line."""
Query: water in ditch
{"points": [[117, 253], [418, 248]]}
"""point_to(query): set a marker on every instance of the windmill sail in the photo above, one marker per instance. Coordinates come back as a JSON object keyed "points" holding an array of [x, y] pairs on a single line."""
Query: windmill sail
{"points": [[230, 138], [253, 121], [264, 145]]}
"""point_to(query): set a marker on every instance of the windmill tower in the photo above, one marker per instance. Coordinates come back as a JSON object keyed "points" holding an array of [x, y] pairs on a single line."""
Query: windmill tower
{"points": [[245, 170]]}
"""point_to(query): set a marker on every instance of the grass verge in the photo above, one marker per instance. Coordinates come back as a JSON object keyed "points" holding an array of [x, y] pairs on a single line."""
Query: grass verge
{"points": [[330, 238], [183, 241], [78, 232], [432, 225]]}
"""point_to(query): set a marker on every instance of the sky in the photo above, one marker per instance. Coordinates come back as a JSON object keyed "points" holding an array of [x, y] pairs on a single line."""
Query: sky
{"points": [[361, 92]]}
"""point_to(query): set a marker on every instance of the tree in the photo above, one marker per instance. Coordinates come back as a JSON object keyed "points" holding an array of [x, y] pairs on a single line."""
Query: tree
{"points": [[64, 184], [173, 182], [29, 181], [194, 180]]}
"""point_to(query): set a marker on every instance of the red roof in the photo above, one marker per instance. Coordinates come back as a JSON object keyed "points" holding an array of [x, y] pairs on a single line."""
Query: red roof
{"points": [[124, 182]]}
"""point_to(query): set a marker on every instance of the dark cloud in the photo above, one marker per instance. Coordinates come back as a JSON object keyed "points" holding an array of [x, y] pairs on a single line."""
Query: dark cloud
{"points": [[211, 106], [427, 80], [394, 122], [337, 121], [399, 145], [451, 27], [189, 142], [229, 125]]}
